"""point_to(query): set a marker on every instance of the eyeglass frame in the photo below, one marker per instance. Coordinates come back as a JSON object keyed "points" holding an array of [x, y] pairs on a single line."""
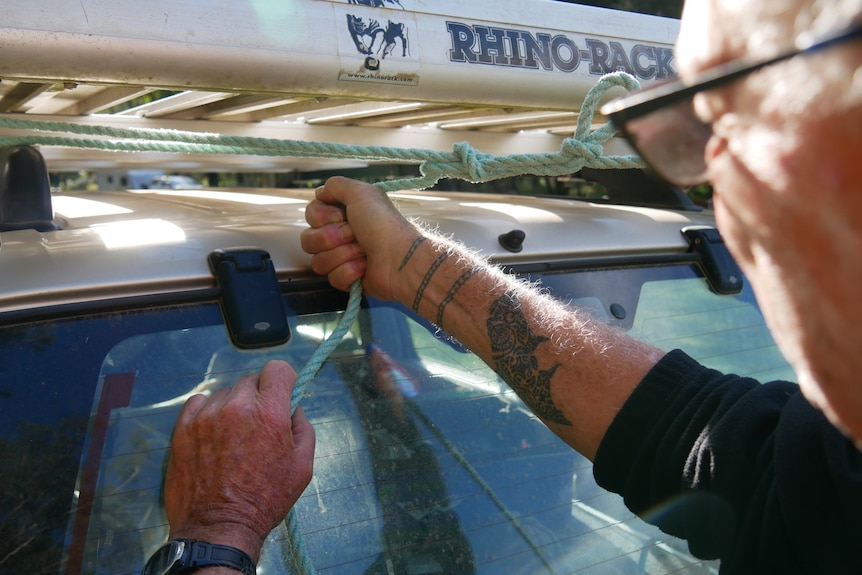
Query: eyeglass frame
{"points": [[639, 104]]}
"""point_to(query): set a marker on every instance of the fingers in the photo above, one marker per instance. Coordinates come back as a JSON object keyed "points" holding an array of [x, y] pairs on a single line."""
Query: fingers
{"points": [[343, 191], [324, 236], [276, 381], [343, 276], [303, 442], [350, 257], [356, 233], [199, 403], [359, 203], [191, 408], [319, 213], [332, 243], [335, 252], [272, 387], [239, 461], [334, 199]]}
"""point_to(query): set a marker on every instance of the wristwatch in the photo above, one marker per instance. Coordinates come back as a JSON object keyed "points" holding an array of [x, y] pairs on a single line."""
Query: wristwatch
{"points": [[182, 556]]}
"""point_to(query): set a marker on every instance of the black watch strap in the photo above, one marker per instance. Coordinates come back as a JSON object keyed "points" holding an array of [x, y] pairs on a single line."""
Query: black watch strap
{"points": [[203, 554]]}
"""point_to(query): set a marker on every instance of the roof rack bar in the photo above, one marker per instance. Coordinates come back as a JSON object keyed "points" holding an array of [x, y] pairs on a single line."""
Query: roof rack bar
{"points": [[104, 99], [21, 94]]}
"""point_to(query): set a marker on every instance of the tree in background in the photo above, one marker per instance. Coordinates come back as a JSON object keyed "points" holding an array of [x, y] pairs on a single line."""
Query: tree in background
{"points": [[669, 8]]}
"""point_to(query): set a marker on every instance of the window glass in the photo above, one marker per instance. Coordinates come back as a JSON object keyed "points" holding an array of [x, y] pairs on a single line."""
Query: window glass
{"points": [[426, 461], [48, 376], [672, 307], [723, 332]]}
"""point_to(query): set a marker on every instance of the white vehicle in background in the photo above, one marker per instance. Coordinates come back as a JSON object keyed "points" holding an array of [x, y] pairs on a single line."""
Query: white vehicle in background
{"points": [[175, 182], [111, 315], [129, 179]]}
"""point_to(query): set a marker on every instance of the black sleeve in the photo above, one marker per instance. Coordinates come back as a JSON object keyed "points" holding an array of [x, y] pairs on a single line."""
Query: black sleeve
{"points": [[748, 473]]}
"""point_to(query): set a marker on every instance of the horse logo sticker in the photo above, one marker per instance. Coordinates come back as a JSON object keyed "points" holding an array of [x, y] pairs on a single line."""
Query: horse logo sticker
{"points": [[381, 36], [377, 3], [373, 39]]}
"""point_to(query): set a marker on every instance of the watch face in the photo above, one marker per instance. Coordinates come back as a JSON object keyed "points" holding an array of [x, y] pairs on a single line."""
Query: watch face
{"points": [[163, 560]]}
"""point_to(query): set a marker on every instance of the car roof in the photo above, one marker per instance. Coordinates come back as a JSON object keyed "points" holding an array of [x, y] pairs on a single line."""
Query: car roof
{"points": [[114, 244]]}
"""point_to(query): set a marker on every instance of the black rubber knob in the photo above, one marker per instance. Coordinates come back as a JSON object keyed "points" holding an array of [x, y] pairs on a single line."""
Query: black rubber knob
{"points": [[513, 241]]}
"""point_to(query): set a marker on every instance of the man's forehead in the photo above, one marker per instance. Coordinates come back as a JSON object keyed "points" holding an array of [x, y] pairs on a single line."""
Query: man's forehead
{"points": [[702, 41], [715, 31]]}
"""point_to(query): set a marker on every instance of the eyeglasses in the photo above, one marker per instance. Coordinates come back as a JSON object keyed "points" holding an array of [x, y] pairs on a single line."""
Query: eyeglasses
{"points": [[660, 122]]}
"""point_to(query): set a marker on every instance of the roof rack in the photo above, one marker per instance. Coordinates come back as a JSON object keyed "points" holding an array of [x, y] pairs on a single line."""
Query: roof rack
{"points": [[506, 75]]}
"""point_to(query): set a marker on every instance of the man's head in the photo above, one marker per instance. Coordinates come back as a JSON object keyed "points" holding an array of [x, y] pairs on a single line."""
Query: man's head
{"points": [[786, 165]]}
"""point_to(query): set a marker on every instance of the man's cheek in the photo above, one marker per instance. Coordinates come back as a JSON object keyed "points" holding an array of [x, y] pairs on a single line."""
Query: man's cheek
{"points": [[733, 232]]}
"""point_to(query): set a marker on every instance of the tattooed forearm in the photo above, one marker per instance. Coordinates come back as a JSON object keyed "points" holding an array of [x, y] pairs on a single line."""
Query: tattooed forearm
{"points": [[413, 247], [452, 291], [427, 279], [513, 348]]}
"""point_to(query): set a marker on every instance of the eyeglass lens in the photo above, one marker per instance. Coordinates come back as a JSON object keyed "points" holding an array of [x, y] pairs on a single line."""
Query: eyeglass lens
{"points": [[672, 140]]}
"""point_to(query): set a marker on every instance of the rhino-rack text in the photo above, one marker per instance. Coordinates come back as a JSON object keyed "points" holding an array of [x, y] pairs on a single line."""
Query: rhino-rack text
{"points": [[521, 49]]}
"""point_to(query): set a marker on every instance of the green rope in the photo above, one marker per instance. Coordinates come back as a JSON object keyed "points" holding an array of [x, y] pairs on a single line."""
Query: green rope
{"points": [[328, 346], [302, 561], [464, 162]]}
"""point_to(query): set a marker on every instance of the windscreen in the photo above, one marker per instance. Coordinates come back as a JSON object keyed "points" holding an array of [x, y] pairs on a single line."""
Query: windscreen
{"points": [[426, 461]]}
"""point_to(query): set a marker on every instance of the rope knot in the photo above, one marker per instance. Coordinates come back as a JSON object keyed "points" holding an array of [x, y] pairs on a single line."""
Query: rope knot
{"points": [[578, 149], [471, 161]]}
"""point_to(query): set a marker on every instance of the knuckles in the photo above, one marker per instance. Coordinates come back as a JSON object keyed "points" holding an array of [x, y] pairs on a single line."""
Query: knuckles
{"points": [[327, 237], [318, 213]]}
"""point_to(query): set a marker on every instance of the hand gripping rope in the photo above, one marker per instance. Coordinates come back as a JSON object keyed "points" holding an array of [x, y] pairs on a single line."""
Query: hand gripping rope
{"points": [[582, 150]]}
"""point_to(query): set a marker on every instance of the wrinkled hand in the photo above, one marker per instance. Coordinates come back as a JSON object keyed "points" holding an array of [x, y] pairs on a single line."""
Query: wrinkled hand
{"points": [[356, 232], [239, 461]]}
